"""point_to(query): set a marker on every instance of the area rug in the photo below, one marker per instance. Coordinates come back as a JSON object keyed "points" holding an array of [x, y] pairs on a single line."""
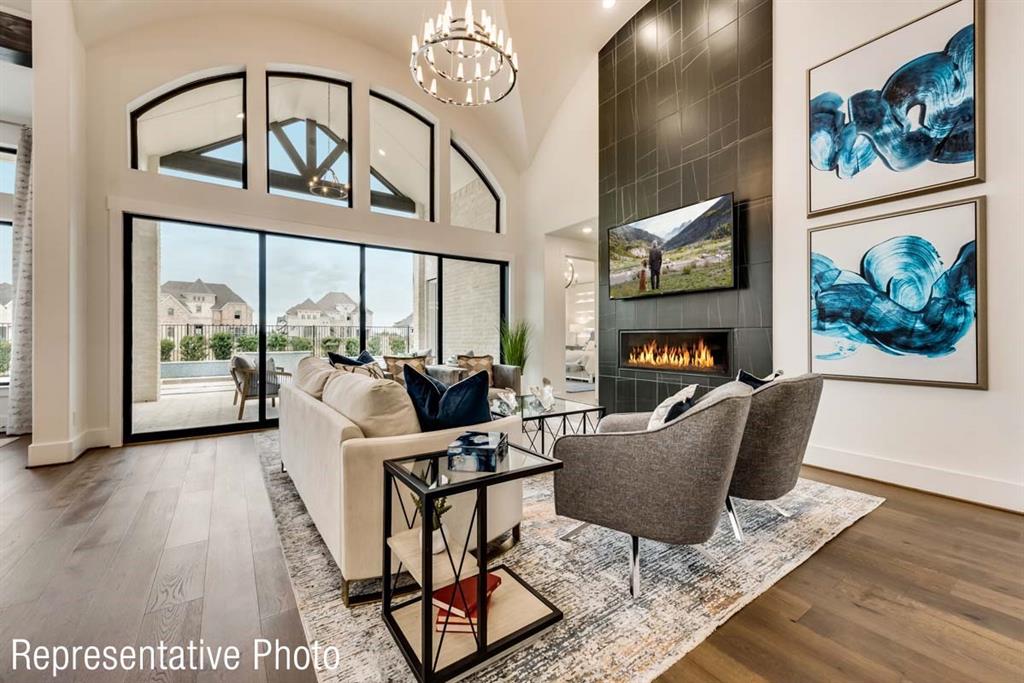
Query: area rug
{"points": [[606, 635]]}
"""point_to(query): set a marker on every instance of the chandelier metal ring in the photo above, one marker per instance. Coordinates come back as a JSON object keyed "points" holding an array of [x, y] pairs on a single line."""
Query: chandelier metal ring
{"points": [[481, 66]]}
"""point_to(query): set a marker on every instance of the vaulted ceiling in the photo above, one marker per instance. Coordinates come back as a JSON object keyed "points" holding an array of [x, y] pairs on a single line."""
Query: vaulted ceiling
{"points": [[555, 40]]}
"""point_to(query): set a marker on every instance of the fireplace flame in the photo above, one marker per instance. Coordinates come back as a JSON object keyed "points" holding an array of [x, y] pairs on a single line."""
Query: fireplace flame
{"points": [[663, 356]]}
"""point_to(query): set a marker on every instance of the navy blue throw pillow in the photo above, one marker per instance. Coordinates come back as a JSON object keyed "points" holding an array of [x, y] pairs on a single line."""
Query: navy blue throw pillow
{"points": [[363, 358], [753, 381], [678, 409], [441, 407]]}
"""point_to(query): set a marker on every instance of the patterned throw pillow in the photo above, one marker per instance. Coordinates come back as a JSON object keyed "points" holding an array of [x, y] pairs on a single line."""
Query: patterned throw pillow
{"points": [[478, 363], [396, 363], [755, 382], [672, 407]]}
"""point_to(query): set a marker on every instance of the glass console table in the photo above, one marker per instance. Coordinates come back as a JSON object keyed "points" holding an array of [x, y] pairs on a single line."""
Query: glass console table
{"points": [[540, 423], [515, 613]]}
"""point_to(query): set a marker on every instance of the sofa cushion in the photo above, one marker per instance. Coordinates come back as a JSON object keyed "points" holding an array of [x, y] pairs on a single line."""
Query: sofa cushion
{"points": [[396, 363], [672, 407], [371, 370], [442, 407], [311, 375], [379, 407], [755, 382], [477, 364], [364, 358]]}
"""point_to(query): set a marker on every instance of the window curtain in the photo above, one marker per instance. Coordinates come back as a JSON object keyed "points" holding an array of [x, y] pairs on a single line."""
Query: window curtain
{"points": [[19, 418]]}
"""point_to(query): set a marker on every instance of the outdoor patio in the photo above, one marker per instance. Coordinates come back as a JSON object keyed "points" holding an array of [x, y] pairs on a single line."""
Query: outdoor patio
{"points": [[193, 404]]}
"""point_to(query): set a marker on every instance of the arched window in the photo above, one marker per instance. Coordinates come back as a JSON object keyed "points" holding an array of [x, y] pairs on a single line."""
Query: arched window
{"points": [[195, 131], [401, 160], [474, 201], [309, 137]]}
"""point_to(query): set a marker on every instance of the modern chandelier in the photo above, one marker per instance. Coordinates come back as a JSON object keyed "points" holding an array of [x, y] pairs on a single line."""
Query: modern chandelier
{"points": [[459, 60], [328, 185]]}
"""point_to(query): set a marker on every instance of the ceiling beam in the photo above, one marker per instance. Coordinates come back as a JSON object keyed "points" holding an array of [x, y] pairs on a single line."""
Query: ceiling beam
{"points": [[15, 40]]}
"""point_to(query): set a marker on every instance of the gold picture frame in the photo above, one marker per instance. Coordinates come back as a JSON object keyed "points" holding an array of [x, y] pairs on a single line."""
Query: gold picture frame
{"points": [[981, 293], [979, 119]]}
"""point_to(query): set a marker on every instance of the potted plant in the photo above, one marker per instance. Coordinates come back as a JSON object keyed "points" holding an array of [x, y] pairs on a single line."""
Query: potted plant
{"points": [[515, 342], [441, 506]]}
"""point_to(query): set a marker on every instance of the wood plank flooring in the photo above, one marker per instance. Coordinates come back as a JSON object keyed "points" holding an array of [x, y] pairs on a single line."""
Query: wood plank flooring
{"points": [[177, 542]]}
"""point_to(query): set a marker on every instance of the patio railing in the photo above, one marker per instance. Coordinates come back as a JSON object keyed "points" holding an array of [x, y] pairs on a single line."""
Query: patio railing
{"points": [[220, 342]]}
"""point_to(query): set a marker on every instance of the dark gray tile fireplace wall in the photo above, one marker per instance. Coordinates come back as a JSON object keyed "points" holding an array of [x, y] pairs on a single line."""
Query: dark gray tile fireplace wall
{"points": [[685, 114]]}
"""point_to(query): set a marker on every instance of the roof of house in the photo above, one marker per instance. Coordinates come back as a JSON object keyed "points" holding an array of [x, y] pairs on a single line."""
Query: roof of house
{"points": [[222, 294], [329, 303], [6, 293], [404, 322]]}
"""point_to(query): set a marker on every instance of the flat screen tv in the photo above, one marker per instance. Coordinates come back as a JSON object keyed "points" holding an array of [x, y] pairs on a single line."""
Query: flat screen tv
{"points": [[691, 249]]}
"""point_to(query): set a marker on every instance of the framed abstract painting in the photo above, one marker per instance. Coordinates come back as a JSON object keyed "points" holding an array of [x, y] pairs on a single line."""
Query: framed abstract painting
{"points": [[901, 298], [900, 115]]}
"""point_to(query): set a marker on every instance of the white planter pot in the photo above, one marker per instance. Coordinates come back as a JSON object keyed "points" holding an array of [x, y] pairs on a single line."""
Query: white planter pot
{"points": [[436, 540]]}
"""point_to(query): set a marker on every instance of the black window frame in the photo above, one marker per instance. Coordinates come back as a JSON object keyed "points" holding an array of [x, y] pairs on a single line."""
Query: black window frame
{"points": [[325, 79], [181, 89], [433, 151], [10, 336], [486, 181], [262, 421]]}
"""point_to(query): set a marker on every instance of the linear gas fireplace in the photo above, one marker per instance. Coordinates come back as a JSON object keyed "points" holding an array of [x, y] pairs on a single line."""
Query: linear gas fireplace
{"points": [[704, 352]]}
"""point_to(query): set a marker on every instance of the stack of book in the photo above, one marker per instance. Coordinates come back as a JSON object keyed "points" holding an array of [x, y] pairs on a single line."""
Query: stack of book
{"points": [[457, 607]]}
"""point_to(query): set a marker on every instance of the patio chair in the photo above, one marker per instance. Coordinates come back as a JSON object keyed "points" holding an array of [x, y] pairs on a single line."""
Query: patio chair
{"points": [[246, 377]]}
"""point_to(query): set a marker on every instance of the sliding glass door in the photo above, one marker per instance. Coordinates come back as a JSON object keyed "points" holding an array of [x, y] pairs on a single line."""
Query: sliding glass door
{"points": [[312, 304], [217, 318], [193, 308]]}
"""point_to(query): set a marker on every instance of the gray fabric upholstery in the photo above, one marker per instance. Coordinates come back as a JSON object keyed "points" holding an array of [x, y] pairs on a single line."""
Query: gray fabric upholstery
{"points": [[775, 439], [623, 422], [508, 377], [668, 484], [505, 376], [247, 379]]}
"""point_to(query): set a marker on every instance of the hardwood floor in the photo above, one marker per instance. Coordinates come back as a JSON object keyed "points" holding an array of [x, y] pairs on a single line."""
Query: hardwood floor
{"points": [[177, 542]]}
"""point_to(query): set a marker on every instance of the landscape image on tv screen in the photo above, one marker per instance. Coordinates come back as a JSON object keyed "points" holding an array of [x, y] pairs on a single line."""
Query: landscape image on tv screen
{"points": [[686, 250]]}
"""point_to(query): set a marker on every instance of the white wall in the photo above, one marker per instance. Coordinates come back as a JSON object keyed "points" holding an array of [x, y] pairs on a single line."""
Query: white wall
{"points": [[126, 69], [560, 189], [966, 444], [58, 253]]}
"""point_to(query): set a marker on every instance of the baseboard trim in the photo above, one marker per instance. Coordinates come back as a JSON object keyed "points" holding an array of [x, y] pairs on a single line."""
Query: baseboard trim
{"points": [[997, 493], [62, 452]]}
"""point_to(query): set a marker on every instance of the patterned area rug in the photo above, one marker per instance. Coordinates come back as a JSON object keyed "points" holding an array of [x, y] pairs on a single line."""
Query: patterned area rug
{"points": [[606, 635]]}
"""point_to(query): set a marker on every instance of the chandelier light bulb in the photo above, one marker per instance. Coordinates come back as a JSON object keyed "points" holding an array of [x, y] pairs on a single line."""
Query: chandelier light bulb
{"points": [[476, 65]]}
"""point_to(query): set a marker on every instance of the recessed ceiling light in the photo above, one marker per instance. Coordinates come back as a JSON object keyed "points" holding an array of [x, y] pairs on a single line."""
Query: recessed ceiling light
{"points": [[607, 4], [380, 151], [586, 228]]}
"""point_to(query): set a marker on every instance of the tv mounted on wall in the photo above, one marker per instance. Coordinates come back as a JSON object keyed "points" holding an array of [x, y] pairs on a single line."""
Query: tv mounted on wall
{"points": [[692, 249]]}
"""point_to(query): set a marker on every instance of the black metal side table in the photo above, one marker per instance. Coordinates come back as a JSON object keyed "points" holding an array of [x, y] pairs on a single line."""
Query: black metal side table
{"points": [[515, 613], [552, 422]]}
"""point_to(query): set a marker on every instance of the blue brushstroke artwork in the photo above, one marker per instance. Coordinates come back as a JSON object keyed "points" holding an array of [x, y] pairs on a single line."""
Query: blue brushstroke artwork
{"points": [[924, 112], [902, 302]]}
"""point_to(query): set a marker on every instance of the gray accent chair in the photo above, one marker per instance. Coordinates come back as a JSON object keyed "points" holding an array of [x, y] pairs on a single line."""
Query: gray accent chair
{"points": [[774, 442], [246, 377], [505, 376], [667, 485]]}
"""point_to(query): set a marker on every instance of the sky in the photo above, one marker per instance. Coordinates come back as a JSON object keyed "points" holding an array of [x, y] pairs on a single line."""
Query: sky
{"points": [[662, 225], [296, 269]]}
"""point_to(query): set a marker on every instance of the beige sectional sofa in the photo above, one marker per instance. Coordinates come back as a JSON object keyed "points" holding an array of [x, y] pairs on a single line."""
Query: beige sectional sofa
{"points": [[337, 428]]}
